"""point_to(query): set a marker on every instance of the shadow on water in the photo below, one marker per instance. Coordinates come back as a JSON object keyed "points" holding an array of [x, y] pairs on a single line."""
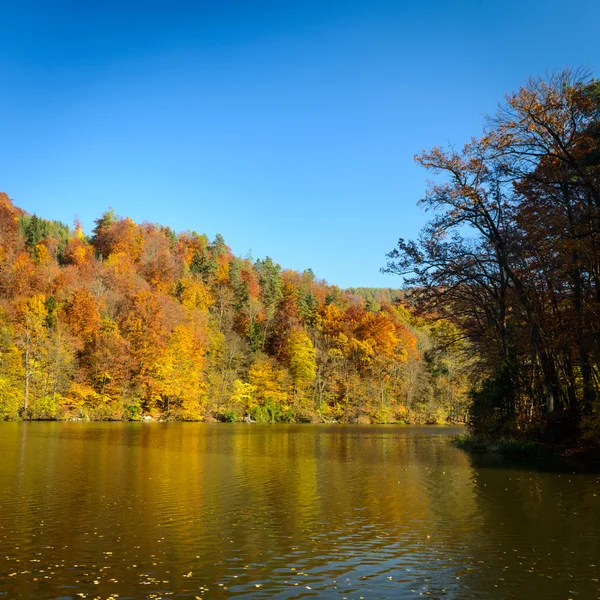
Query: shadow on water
{"points": [[541, 524], [573, 464]]}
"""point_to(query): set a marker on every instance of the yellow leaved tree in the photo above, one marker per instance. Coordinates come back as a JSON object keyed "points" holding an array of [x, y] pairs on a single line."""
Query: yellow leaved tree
{"points": [[270, 399], [181, 370], [300, 353]]}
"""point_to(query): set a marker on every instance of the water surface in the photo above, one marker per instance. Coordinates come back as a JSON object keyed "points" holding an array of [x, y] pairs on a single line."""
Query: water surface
{"points": [[217, 511]]}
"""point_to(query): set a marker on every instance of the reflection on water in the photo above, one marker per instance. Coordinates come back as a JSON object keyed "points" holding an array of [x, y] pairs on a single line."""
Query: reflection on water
{"points": [[215, 511]]}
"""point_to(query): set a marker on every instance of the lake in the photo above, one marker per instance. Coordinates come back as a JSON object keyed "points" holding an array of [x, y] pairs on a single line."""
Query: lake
{"points": [[191, 510]]}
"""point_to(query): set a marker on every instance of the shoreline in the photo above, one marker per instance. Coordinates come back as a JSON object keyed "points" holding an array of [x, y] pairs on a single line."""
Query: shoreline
{"points": [[211, 421], [522, 449]]}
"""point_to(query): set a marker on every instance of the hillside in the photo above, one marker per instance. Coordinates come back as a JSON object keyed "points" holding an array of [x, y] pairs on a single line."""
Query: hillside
{"points": [[137, 319]]}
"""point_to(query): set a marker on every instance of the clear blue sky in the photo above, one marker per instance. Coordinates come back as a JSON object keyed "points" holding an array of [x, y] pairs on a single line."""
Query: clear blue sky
{"points": [[289, 127]]}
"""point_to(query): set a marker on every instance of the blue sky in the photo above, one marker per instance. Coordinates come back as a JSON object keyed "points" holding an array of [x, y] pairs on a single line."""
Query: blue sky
{"points": [[289, 127]]}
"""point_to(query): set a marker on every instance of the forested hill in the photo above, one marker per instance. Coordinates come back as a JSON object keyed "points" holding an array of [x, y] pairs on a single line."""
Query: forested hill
{"points": [[137, 318]]}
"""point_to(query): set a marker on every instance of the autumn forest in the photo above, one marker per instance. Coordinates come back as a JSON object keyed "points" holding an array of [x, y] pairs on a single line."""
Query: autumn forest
{"points": [[497, 321], [138, 320]]}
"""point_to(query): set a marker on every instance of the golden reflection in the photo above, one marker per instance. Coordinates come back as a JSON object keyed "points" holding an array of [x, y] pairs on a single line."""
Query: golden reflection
{"points": [[228, 509]]}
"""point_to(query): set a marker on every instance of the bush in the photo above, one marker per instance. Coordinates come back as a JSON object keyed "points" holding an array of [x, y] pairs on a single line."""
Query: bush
{"points": [[230, 416], [271, 413], [46, 408], [383, 415]]}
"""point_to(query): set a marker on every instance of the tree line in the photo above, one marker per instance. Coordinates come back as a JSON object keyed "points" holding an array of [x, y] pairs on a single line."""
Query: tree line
{"points": [[511, 258], [136, 319]]}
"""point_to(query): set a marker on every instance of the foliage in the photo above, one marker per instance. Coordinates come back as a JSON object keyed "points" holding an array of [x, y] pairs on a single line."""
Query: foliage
{"points": [[511, 258], [139, 320]]}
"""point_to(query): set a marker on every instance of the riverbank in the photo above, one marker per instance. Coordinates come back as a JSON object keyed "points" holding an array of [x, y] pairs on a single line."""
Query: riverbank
{"points": [[313, 419]]}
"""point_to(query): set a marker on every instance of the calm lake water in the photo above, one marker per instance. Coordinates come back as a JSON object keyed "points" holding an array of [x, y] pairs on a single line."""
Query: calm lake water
{"points": [[215, 511]]}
